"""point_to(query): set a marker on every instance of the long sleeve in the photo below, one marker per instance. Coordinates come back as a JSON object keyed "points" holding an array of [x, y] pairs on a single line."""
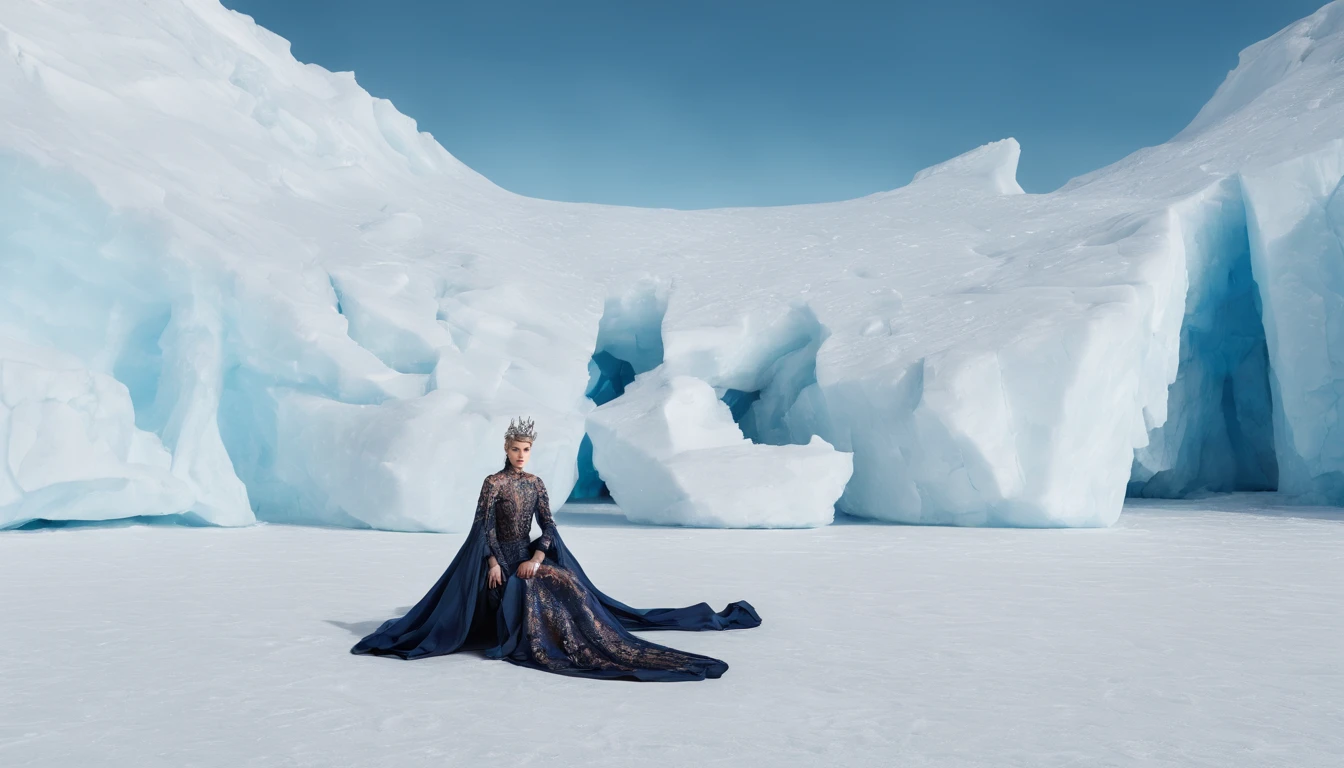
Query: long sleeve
{"points": [[544, 518], [485, 516]]}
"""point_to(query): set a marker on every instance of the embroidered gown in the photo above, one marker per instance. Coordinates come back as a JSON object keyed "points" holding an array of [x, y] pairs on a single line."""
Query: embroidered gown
{"points": [[556, 621]]}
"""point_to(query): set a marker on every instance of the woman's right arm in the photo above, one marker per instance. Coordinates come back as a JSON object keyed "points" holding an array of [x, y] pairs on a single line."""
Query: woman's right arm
{"points": [[485, 517]]}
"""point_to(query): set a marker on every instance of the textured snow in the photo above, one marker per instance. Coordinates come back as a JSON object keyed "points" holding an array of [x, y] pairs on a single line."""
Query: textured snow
{"points": [[1178, 637], [256, 292]]}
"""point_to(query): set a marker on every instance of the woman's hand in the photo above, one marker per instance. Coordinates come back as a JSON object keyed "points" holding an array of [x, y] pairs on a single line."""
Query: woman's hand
{"points": [[495, 578], [528, 569]]}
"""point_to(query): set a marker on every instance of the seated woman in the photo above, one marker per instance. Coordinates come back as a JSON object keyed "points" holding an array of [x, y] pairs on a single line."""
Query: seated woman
{"points": [[530, 602]]}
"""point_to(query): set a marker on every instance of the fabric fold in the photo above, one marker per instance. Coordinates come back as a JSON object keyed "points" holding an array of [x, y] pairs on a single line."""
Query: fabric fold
{"points": [[557, 621]]}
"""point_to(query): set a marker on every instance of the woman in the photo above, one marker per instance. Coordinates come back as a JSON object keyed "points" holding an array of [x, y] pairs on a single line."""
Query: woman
{"points": [[530, 602]]}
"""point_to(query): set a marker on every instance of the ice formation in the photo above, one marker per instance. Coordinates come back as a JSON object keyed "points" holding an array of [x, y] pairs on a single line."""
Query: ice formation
{"points": [[236, 287], [672, 454]]}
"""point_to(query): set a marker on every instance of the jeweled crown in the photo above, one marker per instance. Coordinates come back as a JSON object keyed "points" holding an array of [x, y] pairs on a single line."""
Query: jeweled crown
{"points": [[521, 429]]}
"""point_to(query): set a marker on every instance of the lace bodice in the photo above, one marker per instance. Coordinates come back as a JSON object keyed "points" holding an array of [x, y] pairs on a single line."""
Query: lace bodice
{"points": [[509, 500]]}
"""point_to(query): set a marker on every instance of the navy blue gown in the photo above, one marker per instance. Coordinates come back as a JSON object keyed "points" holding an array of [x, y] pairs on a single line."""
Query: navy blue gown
{"points": [[556, 621]]}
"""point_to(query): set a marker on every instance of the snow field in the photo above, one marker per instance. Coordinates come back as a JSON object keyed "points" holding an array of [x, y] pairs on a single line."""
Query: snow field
{"points": [[1185, 635]]}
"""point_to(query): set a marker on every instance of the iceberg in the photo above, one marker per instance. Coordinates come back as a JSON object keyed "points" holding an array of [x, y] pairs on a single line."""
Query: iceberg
{"points": [[236, 287]]}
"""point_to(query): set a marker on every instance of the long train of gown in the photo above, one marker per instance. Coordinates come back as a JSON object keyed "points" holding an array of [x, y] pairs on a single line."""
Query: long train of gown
{"points": [[556, 621]]}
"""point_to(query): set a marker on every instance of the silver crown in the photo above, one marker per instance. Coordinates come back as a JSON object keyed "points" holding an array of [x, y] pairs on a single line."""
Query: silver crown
{"points": [[521, 429]]}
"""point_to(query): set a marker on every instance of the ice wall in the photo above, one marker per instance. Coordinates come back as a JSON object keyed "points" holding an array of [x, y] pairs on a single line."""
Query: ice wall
{"points": [[1296, 222], [72, 450], [110, 363], [237, 287]]}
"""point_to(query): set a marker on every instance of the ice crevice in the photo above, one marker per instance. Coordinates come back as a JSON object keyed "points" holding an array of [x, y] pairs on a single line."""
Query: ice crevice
{"points": [[629, 342], [1255, 402], [1218, 431]]}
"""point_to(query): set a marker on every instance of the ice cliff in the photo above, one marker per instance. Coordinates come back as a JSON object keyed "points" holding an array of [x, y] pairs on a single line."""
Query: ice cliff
{"points": [[235, 287]]}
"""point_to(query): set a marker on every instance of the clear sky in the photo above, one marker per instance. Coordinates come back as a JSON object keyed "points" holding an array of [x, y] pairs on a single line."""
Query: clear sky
{"points": [[708, 103]]}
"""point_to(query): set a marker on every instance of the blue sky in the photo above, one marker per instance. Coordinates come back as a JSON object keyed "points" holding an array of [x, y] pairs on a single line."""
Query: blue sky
{"points": [[708, 103]]}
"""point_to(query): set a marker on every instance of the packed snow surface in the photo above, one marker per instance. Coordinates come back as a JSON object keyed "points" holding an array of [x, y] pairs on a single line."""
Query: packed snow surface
{"points": [[1179, 637], [237, 287]]}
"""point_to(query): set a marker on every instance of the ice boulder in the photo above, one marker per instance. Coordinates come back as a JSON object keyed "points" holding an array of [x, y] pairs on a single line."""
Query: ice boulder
{"points": [[69, 447], [671, 454]]}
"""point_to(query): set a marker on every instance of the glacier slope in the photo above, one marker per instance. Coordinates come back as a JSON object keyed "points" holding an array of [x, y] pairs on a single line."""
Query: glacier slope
{"points": [[318, 315]]}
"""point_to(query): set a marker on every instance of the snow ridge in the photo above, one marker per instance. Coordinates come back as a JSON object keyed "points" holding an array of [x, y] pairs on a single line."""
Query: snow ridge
{"points": [[991, 168]]}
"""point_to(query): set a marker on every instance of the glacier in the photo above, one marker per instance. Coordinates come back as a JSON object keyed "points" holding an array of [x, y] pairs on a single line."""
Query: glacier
{"points": [[235, 288]]}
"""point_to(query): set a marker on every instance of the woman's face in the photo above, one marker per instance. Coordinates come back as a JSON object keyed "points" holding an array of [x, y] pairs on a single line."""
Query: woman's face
{"points": [[518, 453]]}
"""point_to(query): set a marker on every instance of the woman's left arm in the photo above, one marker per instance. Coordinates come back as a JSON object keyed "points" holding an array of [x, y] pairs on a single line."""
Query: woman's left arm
{"points": [[544, 518], [547, 524]]}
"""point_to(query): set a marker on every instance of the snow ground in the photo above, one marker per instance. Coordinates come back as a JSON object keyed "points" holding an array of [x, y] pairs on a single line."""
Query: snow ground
{"points": [[1189, 634]]}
